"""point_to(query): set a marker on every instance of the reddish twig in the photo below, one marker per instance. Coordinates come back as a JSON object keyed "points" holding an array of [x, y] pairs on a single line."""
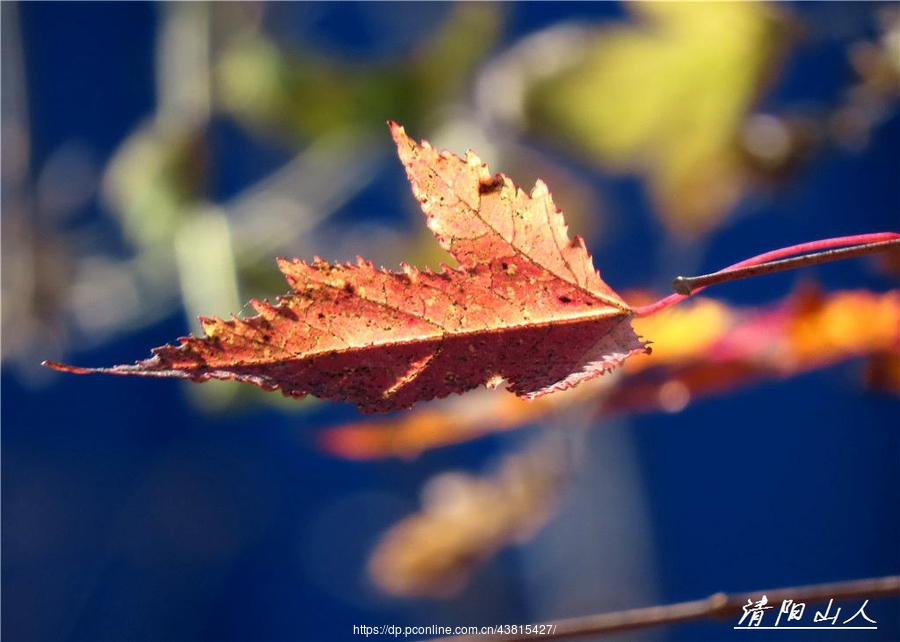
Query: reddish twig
{"points": [[814, 252]]}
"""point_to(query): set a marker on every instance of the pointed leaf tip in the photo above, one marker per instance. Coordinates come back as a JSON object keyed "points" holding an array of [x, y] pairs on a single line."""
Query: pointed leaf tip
{"points": [[61, 367]]}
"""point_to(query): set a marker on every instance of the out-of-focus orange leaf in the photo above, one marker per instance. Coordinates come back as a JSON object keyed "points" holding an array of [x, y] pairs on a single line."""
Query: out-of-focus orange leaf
{"points": [[448, 421], [701, 347], [686, 331], [464, 521], [826, 328], [808, 330], [525, 306]]}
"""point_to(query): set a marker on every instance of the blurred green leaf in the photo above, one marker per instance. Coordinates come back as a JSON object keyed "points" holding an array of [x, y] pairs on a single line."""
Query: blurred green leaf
{"points": [[305, 94], [667, 97], [156, 172]]}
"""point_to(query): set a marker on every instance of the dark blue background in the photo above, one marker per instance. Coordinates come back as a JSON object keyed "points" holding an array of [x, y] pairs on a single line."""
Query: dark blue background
{"points": [[128, 514]]}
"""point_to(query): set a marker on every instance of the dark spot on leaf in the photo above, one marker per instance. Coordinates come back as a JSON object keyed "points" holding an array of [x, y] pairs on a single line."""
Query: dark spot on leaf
{"points": [[348, 288], [508, 268], [486, 187], [564, 299]]}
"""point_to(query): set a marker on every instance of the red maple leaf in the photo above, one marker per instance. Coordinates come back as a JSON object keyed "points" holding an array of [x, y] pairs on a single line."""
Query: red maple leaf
{"points": [[525, 305]]}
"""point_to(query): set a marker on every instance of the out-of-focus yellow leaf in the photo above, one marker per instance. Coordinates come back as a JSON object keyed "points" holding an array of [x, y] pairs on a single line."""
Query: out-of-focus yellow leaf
{"points": [[684, 332], [806, 331], [667, 97], [464, 521]]}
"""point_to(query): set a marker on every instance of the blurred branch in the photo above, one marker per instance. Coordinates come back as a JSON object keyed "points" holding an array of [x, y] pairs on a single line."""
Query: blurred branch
{"points": [[32, 280], [281, 211], [183, 76], [718, 606]]}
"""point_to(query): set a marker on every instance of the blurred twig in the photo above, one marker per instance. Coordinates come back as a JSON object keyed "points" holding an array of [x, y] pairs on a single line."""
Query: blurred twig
{"points": [[718, 606]]}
